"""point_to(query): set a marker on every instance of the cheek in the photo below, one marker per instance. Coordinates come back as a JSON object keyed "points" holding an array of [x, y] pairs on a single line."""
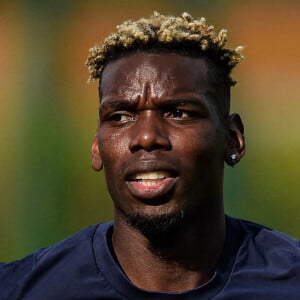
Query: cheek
{"points": [[112, 147], [202, 142]]}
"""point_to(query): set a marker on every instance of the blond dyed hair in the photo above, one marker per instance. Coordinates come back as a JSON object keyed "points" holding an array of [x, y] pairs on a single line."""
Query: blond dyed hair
{"points": [[182, 34]]}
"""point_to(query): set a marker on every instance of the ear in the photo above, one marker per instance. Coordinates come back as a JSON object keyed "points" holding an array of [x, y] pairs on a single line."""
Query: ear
{"points": [[235, 140], [97, 163]]}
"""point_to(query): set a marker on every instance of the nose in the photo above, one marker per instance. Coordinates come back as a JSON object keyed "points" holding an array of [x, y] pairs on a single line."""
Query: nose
{"points": [[149, 133]]}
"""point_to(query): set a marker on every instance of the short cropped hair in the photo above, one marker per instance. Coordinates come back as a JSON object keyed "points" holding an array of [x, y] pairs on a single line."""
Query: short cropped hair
{"points": [[165, 33]]}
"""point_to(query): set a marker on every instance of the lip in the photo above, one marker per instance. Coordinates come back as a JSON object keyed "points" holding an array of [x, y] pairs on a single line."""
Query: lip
{"points": [[151, 165], [160, 188], [148, 192]]}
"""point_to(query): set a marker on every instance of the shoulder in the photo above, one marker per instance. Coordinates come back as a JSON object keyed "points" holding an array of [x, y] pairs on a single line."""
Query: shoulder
{"points": [[84, 236], [68, 245], [266, 244], [269, 239], [267, 260], [57, 263]]}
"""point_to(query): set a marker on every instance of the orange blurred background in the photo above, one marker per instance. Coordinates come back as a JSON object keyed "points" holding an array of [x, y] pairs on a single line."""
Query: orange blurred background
{"points": [[48, 113]]}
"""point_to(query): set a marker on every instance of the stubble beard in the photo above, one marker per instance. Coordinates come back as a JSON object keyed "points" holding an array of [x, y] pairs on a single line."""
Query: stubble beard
{"points": [[161, 231]]}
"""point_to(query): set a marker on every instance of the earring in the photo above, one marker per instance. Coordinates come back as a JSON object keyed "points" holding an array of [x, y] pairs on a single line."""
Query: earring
{"points": [[233, 156], [233, 159]]}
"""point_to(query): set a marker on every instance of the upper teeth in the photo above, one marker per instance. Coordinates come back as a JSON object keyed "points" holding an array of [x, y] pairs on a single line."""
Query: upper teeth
{"points": [[151, 175]]}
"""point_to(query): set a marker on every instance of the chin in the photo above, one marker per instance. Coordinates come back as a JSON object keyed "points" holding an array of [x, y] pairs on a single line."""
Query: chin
{"points": [[157, 228]]}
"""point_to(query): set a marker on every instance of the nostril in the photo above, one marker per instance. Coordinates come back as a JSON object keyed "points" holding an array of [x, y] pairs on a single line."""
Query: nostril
{"points": [[148, 148], [150, 141]]}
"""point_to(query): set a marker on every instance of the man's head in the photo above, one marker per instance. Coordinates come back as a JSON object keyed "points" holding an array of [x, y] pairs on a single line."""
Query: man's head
{"points": [[163, 133]]}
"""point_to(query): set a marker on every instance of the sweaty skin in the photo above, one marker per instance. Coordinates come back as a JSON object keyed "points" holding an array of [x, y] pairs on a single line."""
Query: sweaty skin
{"points": [[162, 142]]}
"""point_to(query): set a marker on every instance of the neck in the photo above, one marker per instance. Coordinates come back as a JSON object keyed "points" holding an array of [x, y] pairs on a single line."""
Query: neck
{"points": [[180, 260]]}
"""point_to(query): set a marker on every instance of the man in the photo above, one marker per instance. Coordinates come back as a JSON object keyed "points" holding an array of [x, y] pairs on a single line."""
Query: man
{"points": [[163, 136]]}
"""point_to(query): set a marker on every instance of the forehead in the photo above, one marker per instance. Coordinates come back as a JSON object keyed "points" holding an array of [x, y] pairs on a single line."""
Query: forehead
{"points": [[163, 74]]}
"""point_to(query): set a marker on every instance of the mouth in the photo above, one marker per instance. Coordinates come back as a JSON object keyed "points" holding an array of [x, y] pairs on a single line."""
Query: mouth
{"points": [[151, 184], [150, 178]]}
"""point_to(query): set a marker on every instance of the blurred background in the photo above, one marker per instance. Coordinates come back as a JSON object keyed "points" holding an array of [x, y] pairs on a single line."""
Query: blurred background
{"points": [[48, 113]]}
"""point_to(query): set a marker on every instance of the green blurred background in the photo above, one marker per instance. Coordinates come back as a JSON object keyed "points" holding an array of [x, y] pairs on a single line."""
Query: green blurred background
{"points": [[48, 113]]}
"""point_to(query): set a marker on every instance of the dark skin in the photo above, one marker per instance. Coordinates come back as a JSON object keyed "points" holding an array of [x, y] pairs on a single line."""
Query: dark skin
{"points": [[162, 140]]}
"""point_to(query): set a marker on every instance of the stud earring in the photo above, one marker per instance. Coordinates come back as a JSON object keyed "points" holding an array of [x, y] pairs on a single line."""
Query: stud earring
{"points": [[233, 159], [233, 156]]}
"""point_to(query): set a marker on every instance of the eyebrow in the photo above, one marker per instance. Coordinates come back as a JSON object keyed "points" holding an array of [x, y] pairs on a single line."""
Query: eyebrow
{"points": [[125, 104], [118, 104], [181, 102]]}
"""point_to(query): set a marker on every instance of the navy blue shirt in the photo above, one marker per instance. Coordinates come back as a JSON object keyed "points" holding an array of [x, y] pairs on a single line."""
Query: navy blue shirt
{"points": [[256, 263]]}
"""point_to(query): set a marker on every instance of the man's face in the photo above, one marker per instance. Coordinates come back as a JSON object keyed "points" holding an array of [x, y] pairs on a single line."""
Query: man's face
{"points": [[161, 137]]}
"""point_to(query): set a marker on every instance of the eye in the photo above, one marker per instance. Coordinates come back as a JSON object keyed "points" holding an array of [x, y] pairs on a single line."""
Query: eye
{"points": [[179, 114], [121, 117]]}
